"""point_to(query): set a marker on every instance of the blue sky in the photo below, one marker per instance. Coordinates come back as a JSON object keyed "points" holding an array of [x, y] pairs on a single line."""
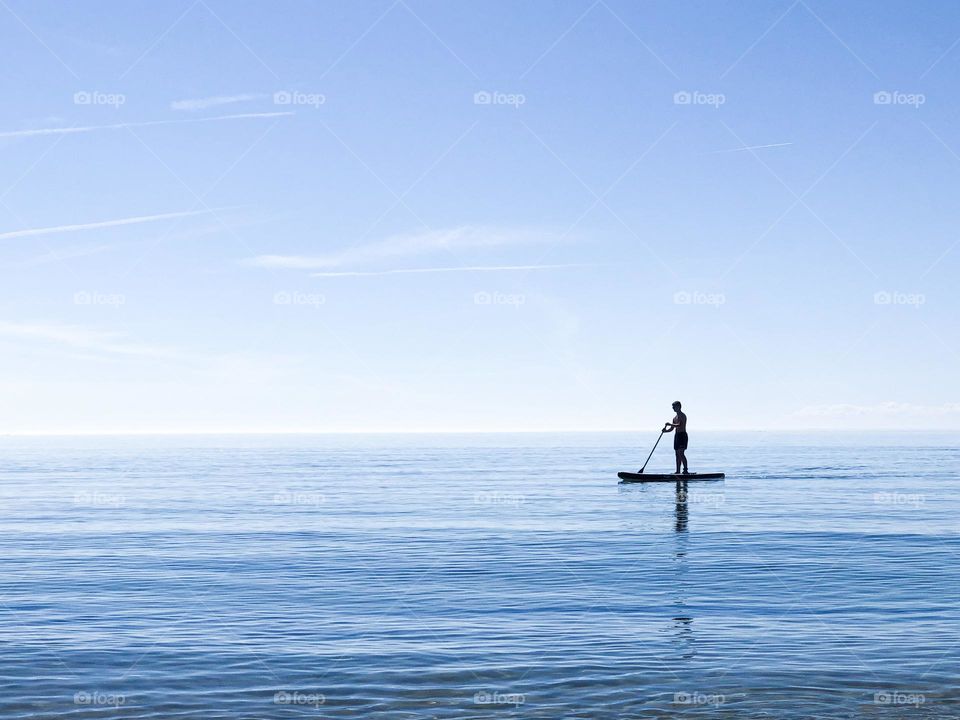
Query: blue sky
{"points": [[412, 215]]}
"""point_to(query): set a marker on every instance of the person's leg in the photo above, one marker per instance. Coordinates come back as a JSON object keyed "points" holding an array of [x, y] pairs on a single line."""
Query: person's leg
{"points": [[679, 454], [683, 457]]}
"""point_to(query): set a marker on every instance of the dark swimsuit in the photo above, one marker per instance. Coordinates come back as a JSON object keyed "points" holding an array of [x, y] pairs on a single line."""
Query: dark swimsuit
{"points": [[680, 440]]}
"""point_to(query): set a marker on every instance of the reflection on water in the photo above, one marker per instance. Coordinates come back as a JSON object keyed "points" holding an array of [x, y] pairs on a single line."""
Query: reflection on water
{"points": [[681, 507], [682, 622]]}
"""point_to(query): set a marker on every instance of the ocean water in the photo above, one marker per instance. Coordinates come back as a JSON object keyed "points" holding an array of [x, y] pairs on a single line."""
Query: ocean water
{"points": [[464, 576]]}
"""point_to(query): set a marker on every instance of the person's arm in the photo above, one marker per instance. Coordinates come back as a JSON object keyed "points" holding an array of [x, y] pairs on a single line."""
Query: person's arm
{"points": [[669, 427]]}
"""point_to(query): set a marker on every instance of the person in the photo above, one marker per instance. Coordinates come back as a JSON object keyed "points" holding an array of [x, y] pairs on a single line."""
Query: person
{"points": [[680, 439]]}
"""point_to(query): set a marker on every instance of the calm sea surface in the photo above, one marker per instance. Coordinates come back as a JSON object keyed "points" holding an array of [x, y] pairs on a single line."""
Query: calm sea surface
{"points": [[479, 576]]}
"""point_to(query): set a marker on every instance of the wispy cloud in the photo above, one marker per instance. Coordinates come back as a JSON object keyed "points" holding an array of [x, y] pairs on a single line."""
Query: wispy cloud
{"points": [[82, 341], [30, 232], [53, 256], [468, 268], [751, 147], [214, 101], [144, 123], [81, 338], [887, 415], [452, 239], [63, 254], [883, 410]]}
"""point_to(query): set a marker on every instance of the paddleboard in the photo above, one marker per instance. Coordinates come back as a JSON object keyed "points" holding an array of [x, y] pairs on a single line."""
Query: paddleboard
{"points": [[629, 477]]}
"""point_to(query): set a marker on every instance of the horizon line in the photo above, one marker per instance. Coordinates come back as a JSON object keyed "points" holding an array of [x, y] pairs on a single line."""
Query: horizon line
{"points": [[201, 433]]}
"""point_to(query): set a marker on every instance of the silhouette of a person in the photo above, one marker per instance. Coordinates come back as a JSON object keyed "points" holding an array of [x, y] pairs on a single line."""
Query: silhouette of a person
{"points": [[678, 426]]}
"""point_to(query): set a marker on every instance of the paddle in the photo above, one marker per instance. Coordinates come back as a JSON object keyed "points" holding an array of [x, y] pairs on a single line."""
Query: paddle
{"points": [[651, 452]]}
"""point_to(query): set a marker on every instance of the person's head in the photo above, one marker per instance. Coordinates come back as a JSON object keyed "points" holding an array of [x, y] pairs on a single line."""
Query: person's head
{"points": [[676, 405]]}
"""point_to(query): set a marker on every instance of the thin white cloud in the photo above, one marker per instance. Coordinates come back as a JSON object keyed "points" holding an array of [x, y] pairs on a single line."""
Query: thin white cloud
{"points": [[145, 123], [193, 104], [751, 147], [80, 251], [404, 245], [53, 256], [81, 338], [469, 268], [30, 232], [883, 410], [84, 342]]}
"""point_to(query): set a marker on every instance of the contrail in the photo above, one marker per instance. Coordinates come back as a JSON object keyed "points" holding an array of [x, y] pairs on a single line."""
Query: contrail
{"points": [[102, 224], [402, 245], [214, 101], [471, 268], [145, 123], [752, 147]]}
